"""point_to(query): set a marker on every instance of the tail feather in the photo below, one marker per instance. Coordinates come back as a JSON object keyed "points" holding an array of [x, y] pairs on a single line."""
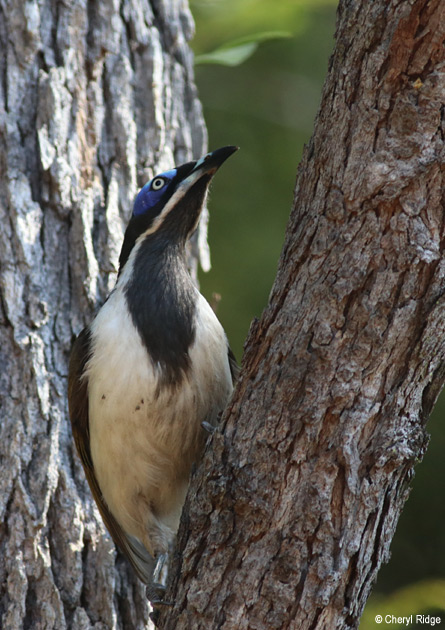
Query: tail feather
{"points": [[139, 557]]}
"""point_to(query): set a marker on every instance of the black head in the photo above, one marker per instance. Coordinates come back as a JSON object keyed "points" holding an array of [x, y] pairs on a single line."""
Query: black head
{"points": [[171, 203]]}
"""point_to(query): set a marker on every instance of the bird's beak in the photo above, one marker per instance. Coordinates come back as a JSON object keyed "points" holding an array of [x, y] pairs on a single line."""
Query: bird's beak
{"points": [[194, 186], [206, 167], [211, 162]]}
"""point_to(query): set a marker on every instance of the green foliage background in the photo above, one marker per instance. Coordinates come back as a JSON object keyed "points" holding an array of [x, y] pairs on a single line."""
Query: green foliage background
{"points": [[267, 105]]}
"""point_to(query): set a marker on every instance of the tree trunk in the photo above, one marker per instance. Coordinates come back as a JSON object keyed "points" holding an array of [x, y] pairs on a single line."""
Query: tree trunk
{"points": [[94, 97], [295, 504]]}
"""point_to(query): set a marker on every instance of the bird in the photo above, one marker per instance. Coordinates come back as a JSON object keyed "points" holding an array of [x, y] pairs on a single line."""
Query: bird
{"points": [[152, 372]]}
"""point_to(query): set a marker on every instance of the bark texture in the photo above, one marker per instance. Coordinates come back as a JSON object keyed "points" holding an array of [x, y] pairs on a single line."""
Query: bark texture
{"points": [[95, 96], [296, 502]]}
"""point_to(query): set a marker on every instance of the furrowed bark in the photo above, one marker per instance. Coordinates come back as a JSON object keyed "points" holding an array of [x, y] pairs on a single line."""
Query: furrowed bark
{"points": [[295, 504]]}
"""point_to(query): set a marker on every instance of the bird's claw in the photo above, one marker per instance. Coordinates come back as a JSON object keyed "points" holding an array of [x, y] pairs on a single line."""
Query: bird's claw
{"points": [[155, 594]]}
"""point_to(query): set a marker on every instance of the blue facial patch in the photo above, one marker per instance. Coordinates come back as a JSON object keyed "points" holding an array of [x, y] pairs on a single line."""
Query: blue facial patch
{"points": [[152, 192]]}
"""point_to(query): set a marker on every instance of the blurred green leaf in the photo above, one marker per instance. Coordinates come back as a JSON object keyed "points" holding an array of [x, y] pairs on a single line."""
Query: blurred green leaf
{"points": [[228, 56], [218, 21], [236, 51]]}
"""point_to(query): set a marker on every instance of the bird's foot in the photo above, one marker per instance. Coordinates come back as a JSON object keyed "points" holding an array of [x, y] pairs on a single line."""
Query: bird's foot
{"points": [[155, 594]]}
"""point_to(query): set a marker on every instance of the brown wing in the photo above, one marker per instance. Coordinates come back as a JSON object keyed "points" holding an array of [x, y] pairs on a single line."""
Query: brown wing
{"points": [[234, 367], [139, 557]]}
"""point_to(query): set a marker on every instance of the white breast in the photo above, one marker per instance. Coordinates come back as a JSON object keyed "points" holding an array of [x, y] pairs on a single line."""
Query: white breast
{"points": [[145, 438]]}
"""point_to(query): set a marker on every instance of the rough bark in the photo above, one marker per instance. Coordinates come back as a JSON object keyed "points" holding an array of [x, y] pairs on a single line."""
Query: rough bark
{"points": [[294, 507], [94, 97]]}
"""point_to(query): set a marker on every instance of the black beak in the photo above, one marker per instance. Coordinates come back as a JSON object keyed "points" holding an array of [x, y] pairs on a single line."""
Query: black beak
{"points": [[211, 162]]}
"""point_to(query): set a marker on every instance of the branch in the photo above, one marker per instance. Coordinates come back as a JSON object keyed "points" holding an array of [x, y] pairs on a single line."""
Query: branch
{"points": [[295, 504]]}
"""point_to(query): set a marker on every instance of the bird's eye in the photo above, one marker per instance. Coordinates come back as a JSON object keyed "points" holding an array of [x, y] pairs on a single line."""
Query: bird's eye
{"points": [[158, 183]]}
